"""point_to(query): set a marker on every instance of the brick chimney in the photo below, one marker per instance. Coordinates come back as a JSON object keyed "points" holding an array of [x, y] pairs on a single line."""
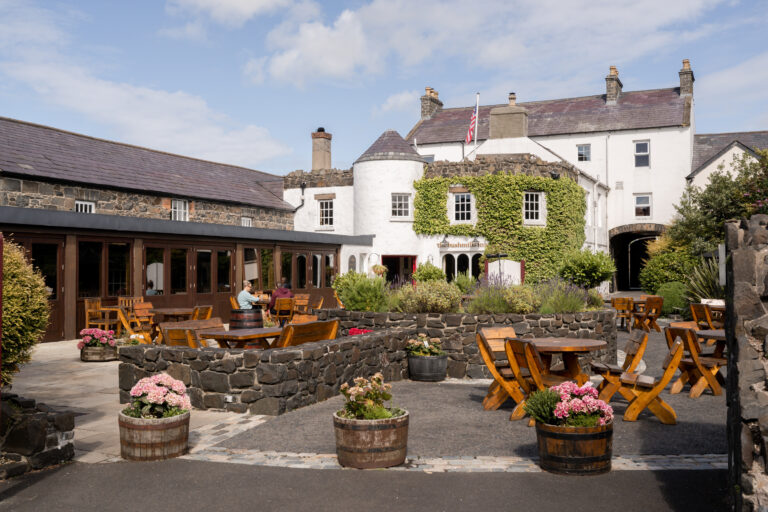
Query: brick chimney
{"points": [[686, 79], [430, 103], [612, 86], [510, 121], [321, 149]]}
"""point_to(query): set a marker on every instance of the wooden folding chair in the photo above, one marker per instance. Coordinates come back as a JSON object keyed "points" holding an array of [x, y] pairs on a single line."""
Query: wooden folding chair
{"points": [[523, 356], [301, 303], [623, 307], [646, 319], [179, 338], [283, 310], [233, 302], [643, 391], [316, 303], [128, 302], [298, 334], [97, 318], [299, 318], [700, 370], [202, 312], [490, 340], [611, 373], [340, 304]]}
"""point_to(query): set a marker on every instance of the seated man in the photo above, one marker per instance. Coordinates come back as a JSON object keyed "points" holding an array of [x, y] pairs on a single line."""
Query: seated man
{"points": [[245, 299], [281, 292]]}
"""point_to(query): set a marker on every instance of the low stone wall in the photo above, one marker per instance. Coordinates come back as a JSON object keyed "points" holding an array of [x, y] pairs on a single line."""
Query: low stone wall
{"points": [[33, 436], [458, 331], [270, 381]]}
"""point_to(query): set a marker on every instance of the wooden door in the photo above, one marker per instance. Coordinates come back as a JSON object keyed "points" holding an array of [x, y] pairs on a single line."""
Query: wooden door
{"points": [[224, 286], [47, 256]]}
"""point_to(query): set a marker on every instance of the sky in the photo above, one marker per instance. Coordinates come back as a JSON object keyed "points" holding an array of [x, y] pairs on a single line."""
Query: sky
{"points": [[246, 81]]}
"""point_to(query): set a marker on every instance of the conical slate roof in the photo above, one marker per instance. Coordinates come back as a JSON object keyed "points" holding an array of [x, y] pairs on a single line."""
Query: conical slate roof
{"points": [[390, 146]]}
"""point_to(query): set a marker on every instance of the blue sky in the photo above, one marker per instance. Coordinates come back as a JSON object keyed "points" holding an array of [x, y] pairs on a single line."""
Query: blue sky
{"points": [[246, 81]]}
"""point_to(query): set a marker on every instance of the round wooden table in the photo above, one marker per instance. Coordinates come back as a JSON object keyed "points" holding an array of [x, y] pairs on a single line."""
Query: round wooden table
{"points": [[569, 349]]}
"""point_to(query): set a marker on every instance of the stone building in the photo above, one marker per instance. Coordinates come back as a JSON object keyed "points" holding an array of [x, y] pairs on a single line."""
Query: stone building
{"points": [[105, 219]]}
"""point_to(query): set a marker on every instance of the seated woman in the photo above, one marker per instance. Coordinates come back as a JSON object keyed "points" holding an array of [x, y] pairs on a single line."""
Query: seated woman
{"points": [[244, 299]]}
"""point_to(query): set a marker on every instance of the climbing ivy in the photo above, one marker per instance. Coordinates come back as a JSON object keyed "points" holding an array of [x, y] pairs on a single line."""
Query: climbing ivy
{"points": [[499, 206]]}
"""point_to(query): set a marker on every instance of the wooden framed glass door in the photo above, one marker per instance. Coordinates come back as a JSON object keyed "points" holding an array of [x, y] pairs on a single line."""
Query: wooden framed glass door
{"points": [[47, 256]]}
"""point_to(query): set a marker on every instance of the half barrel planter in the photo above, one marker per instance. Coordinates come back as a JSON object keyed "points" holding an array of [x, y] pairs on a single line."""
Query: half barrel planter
{"points": [[153, 439], [575, 450], [370, 444], [428, 368], [98, 354]]}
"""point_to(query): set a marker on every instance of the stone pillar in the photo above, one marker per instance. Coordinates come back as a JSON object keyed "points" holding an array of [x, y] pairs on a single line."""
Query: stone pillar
{"points": [[430, 103], [613, 86], [321, 149], [747, 332]]}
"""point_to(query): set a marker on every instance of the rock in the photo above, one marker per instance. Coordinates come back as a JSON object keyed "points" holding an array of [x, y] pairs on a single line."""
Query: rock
{"points": [[179, 372], [270, 406], [223, 365], [283, 355], [324, 392], [476, 372], [14, 468], [151, 354], [64, 421], [268, 373], [198, 365], [196, 397], [134, 354], [457, 369], [251, 395], [214, 381], [27, 437], [213, 401], [238, 408], [251, 358], [244, 379], [744, 265]]}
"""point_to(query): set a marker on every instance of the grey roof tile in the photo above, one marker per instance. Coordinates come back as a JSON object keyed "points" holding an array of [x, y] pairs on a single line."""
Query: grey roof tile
{"points": [[390, 146], [707, 145]]}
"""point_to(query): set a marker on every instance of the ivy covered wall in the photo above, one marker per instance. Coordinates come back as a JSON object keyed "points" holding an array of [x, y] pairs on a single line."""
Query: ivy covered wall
{"points": [[499, 208]]}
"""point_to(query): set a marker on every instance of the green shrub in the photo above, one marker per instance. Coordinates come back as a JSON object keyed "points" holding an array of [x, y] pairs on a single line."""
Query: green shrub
{"points": [[558, 296], [704, 281], [522, 299], [489, 300], [586, 268], [664, 268], [675, 297], [428, 272], [25, 310], [429, 297], [359, 292], [594, 299], [541, 406], [465, 282]]}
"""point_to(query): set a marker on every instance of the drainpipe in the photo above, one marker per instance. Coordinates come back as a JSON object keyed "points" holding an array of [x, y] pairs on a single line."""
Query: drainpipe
{"points": [[594, 214], [303, 186]]}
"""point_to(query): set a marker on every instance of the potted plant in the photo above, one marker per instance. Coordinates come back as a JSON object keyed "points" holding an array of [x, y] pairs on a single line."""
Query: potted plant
{"points": [[574, 429], [426, 359], [155, 426], [379, 270], [97, 345], [368, 434]]}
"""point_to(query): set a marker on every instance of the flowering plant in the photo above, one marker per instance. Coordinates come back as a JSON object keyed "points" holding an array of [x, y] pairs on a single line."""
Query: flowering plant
{"points": [[365, 400], [354, 331], [379, 270], [569, 405], [158, 396], [424, 346], [96, 338]]}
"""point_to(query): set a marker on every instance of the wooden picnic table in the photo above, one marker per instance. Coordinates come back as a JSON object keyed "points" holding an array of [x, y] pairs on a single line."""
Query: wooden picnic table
{"points": [[238, 338], [569, 349], [175, 314]]}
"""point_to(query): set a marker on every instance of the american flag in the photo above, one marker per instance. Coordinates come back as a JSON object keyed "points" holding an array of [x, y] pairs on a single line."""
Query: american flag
{"points": [[472, 123]]}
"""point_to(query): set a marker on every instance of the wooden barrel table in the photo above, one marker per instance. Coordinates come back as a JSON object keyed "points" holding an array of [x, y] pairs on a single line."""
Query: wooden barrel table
{"points": [[246, 319], [575, 450]]}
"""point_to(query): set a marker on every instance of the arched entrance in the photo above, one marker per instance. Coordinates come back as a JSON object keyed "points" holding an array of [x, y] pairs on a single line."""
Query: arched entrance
{"points": [[629, 250]]}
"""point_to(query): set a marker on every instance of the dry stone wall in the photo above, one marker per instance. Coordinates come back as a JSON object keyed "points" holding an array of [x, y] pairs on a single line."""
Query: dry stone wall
{"points": [[319, 178], [493, 164], [57, 196]]}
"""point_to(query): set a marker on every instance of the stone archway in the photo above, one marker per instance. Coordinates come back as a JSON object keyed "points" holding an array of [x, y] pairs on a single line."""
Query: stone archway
{"points": [[628, 249]]}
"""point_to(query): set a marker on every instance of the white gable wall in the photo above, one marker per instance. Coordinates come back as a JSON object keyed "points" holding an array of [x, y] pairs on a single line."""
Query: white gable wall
{"points": [[725, 160]]}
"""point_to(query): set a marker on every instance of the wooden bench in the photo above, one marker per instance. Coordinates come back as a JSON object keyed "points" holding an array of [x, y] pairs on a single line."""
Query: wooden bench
{"points": [[611, 373], [646, 319], [490, 341], [530, 371], [296, 334], [700, 370], [194, 326]]}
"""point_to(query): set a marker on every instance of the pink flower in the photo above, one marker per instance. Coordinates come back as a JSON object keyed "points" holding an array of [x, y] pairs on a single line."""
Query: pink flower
{"points": [[80, 345]]}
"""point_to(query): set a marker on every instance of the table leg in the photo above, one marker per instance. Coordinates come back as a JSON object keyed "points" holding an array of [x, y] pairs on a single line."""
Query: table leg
{"points": [[572, 368]]}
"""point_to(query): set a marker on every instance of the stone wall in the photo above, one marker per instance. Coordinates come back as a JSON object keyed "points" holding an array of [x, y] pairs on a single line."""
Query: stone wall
{"points": [[33, 436], [747, 331], [458, 331], [493, 164], [270, 381], [56, 196], [319, 178]]}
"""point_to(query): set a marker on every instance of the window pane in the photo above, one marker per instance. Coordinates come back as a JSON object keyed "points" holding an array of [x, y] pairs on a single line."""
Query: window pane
{"points": [[286, 271], [330, 270], [643, 211], [462, 207], [118, 269], [642, 200], [224, 273], [326, 213], [178, 271], [642, 160], [89, 269], [584, 152], [317, 269], [267, 269], [155, 270], [400, 205], [301, 271], [45, 259], [531, 206], [351, 264], [251, 267], [204, 275], [641, 147]]}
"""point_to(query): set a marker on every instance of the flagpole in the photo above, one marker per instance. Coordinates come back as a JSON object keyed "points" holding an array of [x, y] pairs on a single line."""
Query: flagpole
{"points": [[477, 119]]}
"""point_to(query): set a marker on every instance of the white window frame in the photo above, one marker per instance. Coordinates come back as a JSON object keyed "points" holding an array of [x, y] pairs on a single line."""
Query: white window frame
{"points": [[452, 208], [587, 154], [539, 198], [246, 222], [649, 205], [325, 222], [398, 207], [647, 153], [85, 207], [180, 210]]}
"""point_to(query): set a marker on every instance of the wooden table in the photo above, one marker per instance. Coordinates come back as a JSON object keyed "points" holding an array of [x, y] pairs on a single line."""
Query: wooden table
{"points": [[114, 309], [174, 314], [569, 348], [714, 334], [238, 338]]}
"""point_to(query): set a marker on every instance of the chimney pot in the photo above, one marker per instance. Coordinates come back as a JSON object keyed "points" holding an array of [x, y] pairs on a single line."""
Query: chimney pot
{"points": [[686, 64], [512, 99], [613, 71]]}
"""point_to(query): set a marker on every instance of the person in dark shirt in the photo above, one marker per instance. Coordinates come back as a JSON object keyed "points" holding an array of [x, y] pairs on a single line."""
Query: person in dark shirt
{"points": [[281, 292], [284, 282]]}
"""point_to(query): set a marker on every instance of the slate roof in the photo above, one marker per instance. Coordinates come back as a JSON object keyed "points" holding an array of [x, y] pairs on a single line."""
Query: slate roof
{"points": [[36, 151], [707, 146], [390, 146], [634, 110]]}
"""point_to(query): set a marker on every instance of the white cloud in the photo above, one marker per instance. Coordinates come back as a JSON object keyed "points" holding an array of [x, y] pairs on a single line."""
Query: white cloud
{"points": [[405, 101], [228, 12], [254, 70], [173, 121], [191, 31]]}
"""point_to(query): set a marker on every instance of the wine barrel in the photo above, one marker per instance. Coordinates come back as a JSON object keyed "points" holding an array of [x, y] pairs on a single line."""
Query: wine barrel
{"points": [[575, 450], [367, 444], [153, 439], [427, 368], [245, 319]]}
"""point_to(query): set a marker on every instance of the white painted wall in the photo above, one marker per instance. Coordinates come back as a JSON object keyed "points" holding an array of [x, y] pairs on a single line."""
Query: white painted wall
{"points": [[725, 160], [307, 218]]}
